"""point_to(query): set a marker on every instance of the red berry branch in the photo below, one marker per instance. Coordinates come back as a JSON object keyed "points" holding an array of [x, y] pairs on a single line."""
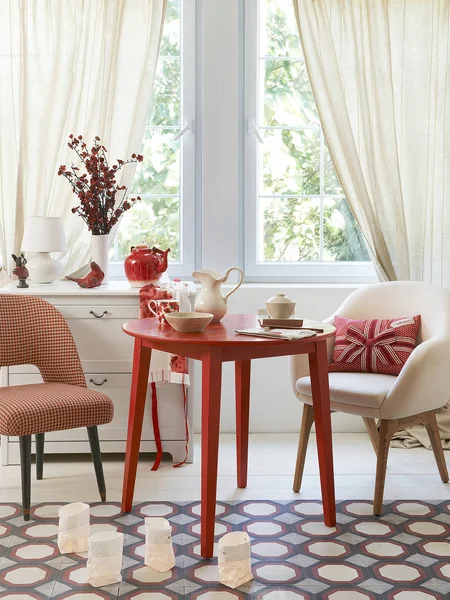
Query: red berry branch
{"points": [[97, 188]]}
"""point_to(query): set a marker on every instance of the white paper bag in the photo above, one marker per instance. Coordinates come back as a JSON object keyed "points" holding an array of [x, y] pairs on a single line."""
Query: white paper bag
{"points": [[159, 553], [234, 559], [73, 531], [181, 294], [104, 562]]}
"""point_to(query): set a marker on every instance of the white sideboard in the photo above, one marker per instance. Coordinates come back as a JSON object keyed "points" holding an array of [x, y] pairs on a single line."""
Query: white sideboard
{"points": [[95, 317]]}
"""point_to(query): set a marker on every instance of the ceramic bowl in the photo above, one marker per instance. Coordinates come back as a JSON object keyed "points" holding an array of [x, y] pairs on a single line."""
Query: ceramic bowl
{"points": [[193, 322], [280, 307]]}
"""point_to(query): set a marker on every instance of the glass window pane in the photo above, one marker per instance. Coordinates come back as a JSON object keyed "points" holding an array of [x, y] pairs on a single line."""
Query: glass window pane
{"points": [[153, 220], [166, 93], [342, 239], [278, 33], [156, 219], [331, 185], [170, 41], [290, 229], [288, 98], [291, 162], [159, 173]]}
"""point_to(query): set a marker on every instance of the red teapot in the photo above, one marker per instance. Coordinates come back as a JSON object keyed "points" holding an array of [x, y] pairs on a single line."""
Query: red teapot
{"points": [[145, 265]]}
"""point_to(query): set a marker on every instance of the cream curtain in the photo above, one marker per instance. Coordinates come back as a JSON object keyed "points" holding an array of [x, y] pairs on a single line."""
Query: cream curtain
{"points": [[380, 73], [69, 66]]}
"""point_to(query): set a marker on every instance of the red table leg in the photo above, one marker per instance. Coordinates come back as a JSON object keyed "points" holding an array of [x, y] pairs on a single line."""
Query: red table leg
{"points": [[211, 389], [318, 367], [242, 374], [139, 383]]}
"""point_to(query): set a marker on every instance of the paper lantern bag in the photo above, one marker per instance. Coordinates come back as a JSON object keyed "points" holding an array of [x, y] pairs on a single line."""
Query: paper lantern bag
{"points": [[73, 530], [159, 553], [234, 559], [105, 558]]}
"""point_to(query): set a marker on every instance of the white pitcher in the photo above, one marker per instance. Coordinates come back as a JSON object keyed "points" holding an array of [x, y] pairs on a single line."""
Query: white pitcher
{"points": [[210, 299]]}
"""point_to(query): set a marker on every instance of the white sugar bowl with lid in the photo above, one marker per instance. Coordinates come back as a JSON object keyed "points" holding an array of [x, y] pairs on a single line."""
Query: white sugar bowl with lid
{"points": [[280, 306]]}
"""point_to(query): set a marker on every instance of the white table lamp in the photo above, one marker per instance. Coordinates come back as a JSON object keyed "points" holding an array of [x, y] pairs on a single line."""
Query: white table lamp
{"points": [[44, 235]]}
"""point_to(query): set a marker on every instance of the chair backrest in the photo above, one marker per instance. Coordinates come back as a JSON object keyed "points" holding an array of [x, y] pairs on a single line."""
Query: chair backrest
{"points": [[33, 332], [402, 299]]}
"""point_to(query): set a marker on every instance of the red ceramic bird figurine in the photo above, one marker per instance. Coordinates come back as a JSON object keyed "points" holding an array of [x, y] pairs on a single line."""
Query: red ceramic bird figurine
{"points": [[93, 279]]}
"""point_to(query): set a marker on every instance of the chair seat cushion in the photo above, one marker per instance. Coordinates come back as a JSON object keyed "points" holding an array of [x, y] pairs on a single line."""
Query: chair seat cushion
{"points": [[355, 393], [42, 407]]}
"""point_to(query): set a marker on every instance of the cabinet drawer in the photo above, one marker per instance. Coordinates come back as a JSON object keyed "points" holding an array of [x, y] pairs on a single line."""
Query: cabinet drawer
{"points": [[101, 342], [117, 387], [104, 312]]}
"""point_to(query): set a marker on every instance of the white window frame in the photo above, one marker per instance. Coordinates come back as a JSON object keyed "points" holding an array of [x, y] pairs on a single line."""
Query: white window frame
{"points": [[186, 264], [351, 272]]}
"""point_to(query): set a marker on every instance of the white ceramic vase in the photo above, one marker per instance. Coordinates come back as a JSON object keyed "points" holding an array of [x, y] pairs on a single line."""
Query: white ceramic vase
{"points": [[100, 253]]}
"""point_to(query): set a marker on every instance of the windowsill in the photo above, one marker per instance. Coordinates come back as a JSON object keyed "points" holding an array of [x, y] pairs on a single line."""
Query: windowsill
{"points": [[274, 284], [298, 285]]}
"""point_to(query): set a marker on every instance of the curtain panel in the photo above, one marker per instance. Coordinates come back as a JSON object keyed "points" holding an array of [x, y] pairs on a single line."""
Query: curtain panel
{"points": [[69, 66], [380, 73]]}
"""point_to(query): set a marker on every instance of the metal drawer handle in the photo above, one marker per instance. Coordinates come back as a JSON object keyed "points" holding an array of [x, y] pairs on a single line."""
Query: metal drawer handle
{"points": [[105, 312], [95, 383]]}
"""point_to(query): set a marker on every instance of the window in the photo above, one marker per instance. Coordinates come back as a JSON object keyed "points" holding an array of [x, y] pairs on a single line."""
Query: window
{"points": [[165, 180], [297, 221]]}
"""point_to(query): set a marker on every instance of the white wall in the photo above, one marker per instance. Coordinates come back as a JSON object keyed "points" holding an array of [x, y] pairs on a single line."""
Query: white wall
{"points": [[273, 406]]}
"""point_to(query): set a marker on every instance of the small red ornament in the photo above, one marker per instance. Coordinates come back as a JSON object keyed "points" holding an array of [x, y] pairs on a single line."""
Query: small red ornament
{"points": [[93, 279]]}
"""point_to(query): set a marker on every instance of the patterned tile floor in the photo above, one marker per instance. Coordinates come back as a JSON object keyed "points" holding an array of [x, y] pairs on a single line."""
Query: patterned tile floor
{"points": [[404, 555]]}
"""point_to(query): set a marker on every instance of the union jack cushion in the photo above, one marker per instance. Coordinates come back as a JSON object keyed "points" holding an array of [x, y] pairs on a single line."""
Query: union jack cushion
{"points": [[373, 346]]}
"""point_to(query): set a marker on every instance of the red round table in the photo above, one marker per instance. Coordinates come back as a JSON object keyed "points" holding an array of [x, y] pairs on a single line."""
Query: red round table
{"points": [[219, 343]]}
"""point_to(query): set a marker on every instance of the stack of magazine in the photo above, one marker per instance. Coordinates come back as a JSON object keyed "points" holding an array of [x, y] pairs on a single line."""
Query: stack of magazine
{"points": [[284, 334], [287, 329]]}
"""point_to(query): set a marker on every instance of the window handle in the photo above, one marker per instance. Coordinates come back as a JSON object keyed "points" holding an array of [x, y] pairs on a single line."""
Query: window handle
{"points": [[184, 131], [253, 129]]}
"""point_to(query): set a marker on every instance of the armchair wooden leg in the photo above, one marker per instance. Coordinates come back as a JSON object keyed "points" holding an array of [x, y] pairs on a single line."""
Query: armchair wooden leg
{"points": [[436, 443], [25, 466], [307, 421], [40, 438], [97, 459], [372, 430], [385, 434]]}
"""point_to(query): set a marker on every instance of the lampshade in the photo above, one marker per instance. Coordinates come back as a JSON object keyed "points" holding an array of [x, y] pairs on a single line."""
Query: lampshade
{"points": [[44, 234]]}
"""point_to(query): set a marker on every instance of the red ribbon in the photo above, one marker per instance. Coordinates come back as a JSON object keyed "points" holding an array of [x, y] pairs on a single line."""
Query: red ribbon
{"points": [[186, 425], [156, 430]]}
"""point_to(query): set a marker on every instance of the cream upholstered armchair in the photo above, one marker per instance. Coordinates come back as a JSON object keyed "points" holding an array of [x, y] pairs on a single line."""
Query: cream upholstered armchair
{"points": [[412, 397]]}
